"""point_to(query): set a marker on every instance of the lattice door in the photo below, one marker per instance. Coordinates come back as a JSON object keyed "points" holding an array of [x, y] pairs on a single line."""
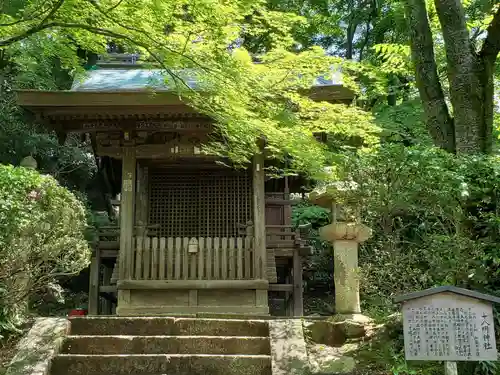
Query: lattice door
{"points": [[194, 203]]}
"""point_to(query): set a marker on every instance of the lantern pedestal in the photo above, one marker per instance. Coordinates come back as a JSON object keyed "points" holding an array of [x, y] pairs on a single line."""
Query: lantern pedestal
{"points": [[345, 238]]}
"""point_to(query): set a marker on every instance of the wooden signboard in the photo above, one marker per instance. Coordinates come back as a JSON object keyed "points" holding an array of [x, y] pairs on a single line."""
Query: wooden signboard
{"points": [[449, 324]]}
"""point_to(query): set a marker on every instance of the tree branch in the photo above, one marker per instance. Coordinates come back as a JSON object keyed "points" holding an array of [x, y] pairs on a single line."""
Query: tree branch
{"points": [[114, 6], [36, 29], [26, 34], [439, 122], [366, 39], [36, 13], [43, 26], [105, 13], [226, 78], [53, 11], [351, 32], [491, 46], [113, 34]]}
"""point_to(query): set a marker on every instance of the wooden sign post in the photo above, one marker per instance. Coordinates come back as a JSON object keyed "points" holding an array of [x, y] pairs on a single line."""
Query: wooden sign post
{"points": [[448, 324], [450, 368]]}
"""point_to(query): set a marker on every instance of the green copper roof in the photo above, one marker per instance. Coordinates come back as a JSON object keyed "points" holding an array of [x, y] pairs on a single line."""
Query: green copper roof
{"points": [[117, 79], [123, 79]]}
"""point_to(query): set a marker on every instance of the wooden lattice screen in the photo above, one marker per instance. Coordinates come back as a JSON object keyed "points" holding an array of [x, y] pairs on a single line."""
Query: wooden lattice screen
{"points": [[199, 202]]}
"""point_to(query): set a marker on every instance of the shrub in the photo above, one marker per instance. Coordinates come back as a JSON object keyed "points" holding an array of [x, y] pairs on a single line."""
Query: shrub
{"points": [[435, 219], [41, 239]]}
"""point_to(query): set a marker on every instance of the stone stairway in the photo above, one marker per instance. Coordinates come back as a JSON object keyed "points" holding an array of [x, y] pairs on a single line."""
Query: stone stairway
{"points": [[161, 346]]}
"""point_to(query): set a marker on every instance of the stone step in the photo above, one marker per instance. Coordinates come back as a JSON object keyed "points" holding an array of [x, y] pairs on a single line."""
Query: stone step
{"points": [[154, 364], [161, 326], [166, 345]]}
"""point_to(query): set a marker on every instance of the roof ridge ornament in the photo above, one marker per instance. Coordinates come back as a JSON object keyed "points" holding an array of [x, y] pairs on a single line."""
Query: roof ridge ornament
{"points": [[118, 58]]}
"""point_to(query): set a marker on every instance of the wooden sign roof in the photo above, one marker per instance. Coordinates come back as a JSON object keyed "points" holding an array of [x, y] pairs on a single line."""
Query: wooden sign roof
{"points": [[447, 289]]}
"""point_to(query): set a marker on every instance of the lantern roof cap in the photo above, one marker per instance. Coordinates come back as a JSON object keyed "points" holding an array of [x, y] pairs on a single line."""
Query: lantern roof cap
{"points": [[335, 192]]}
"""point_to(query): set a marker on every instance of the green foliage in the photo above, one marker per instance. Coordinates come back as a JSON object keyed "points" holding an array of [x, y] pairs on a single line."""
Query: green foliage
{"points": [[318, 268], [247, 100], [435, 220], [71, 164], [272, 108], [395, 58], [384, 353], [42, 238], [418, 200], [402, 123], [29, 66]]}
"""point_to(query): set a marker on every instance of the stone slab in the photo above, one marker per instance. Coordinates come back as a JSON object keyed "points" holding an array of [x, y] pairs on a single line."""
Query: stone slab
{"points": [[36, 349], [327, 360], [153, 326], [161, 364], [166, 344], [288, 347]]}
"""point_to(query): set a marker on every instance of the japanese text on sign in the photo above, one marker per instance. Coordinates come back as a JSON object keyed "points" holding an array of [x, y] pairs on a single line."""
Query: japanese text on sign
{"points": [[450, 328]]}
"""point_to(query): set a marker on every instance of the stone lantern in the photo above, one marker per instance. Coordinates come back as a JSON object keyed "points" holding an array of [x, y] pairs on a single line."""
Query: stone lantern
{"points": [[345, 233], [29, 162]]}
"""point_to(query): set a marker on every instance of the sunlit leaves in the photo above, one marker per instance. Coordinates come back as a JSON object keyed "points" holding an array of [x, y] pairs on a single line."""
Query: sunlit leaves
{"points": [[248, 100], [395, 58], [270, 100]]}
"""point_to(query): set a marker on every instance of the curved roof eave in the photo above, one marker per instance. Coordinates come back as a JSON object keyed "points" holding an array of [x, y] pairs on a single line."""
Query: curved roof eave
{"points": [[144, 87]]}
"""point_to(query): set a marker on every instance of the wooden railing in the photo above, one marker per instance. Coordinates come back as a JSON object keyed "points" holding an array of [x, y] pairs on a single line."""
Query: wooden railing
{"points": [[277, 236], [281, 236], [169, 258], [218, 258]]}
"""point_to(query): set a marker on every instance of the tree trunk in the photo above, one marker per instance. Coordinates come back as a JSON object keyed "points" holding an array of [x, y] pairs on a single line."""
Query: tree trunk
{"points": [[391, 96], [468, 80], [470, 77], [366, 40], [439, 122], [351, 31]]}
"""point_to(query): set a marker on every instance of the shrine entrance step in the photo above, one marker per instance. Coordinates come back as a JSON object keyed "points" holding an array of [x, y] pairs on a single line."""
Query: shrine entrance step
{"points": [[181, 346]]}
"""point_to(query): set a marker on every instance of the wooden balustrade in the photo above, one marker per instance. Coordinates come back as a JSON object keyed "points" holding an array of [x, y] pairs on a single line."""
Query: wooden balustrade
{"points": [[277, 236], [168, 258], [281, 236], [176, 258]]}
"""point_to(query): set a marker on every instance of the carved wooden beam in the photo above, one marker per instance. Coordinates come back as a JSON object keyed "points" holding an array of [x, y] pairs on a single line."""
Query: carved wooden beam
{"points": [[153, 151], [185, 125]]}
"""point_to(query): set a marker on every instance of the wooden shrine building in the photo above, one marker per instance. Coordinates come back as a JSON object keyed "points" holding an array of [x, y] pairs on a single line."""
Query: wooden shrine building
{"points": [[192, 236]]}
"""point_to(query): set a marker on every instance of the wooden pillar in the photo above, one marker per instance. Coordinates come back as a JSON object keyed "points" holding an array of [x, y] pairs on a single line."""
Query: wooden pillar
{"points": [[142, 204], [288, 295], [287, 220], [127, 207], [259, 228], [106, 280], [298, 287], [93, 302], [287, 208], [259, 218], [450, 368]]}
